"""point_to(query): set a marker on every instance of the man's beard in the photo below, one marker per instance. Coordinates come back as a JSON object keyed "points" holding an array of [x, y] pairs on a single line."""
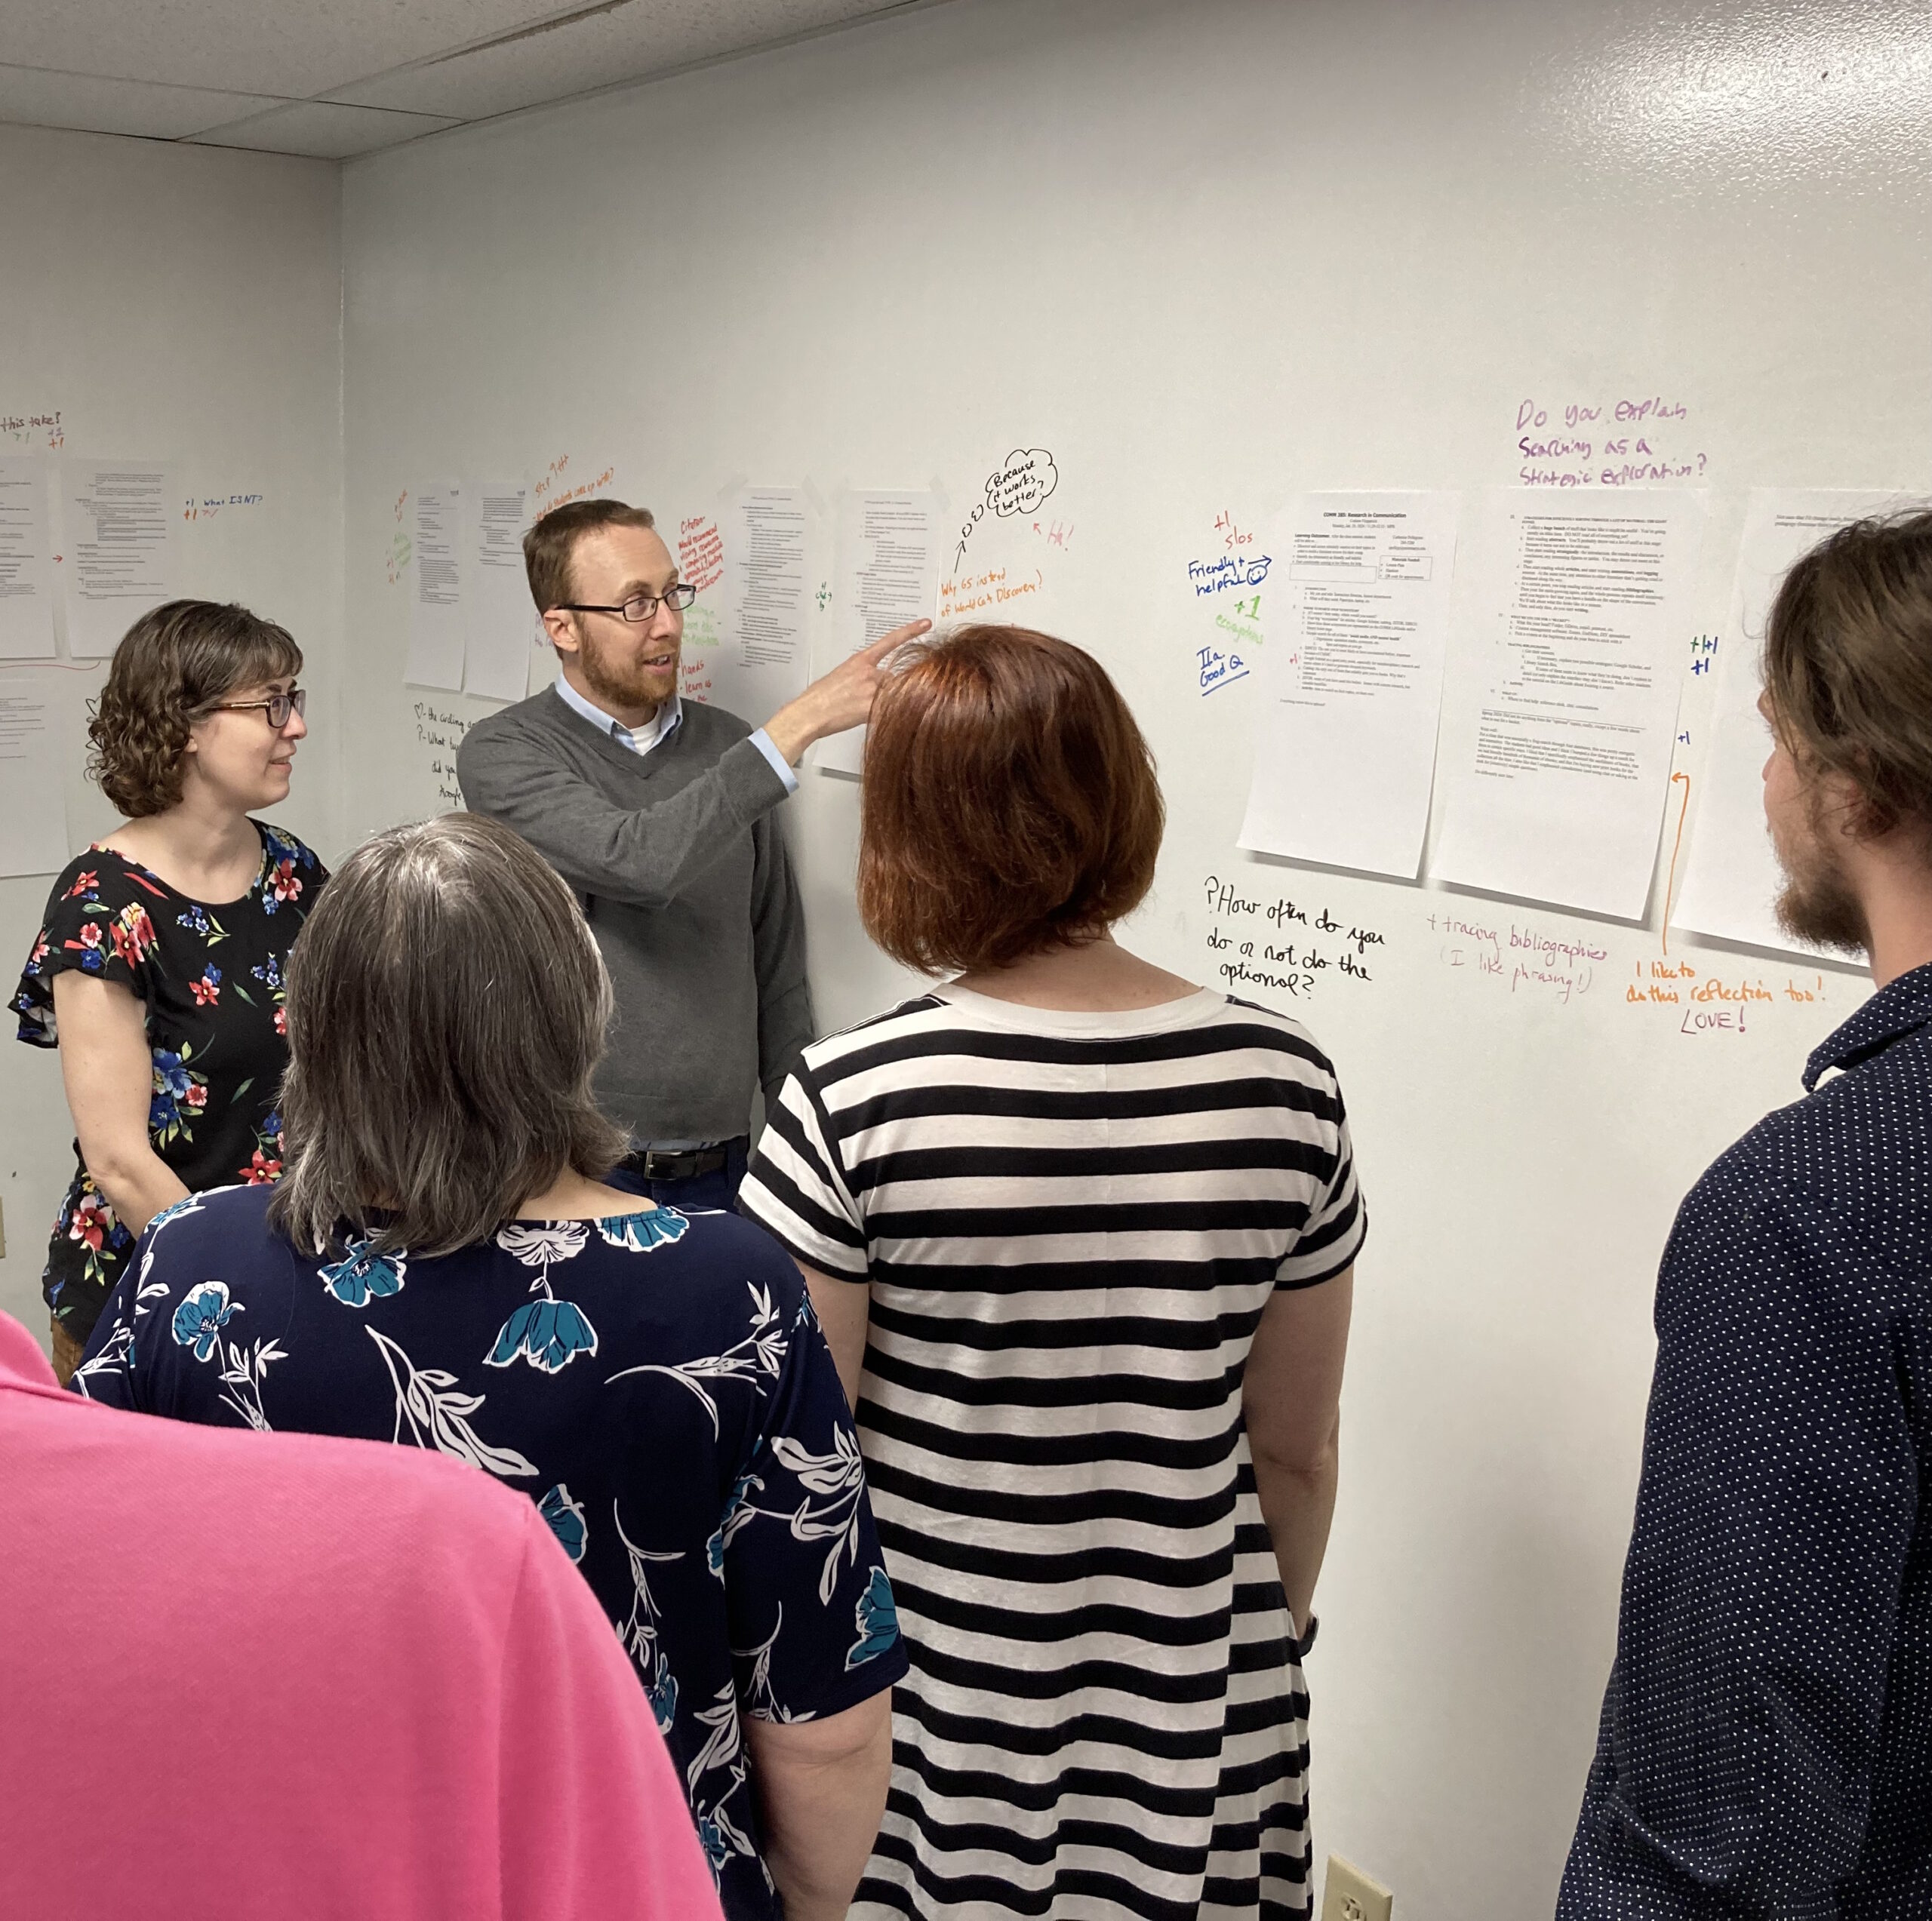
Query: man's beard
{"points": [[1818, 905], [628, 686]]}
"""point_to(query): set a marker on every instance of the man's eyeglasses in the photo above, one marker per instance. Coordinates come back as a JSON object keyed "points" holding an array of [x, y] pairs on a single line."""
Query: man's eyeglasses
{"points": [[639, 607], [277, 707]]}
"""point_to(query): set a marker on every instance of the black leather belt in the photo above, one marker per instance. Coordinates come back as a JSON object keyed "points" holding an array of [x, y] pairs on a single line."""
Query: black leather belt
{"points": [[655, 1164]]}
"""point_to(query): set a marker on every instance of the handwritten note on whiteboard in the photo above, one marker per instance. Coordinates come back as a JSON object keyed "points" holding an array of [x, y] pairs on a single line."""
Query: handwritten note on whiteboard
{"points": [[1732, 878], [888, 563], [439, 733], [1352, 679], [435, 613], [1617, 438], [119, 540], [26, 585], [1556, 792]]}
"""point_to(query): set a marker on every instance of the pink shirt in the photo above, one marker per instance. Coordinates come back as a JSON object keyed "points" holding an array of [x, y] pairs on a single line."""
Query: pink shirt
{"points": [[325, 1678]]}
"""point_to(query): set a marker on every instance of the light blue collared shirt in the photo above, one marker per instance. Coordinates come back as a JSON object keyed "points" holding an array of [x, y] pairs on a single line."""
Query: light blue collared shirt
{"points": [[660, 728]]}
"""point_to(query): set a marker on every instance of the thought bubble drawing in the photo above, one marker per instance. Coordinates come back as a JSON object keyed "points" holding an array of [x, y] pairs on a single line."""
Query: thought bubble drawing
{"points": [[1026, 477]]}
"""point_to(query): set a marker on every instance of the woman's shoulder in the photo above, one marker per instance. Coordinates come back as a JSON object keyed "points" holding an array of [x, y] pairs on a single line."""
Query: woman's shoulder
{"points": [[717, 1252], [100, 920], [1207, 1021], [281, 848], [718, 1259], [101, 876], [700, 1237], [923, 1015], [285, 846], [203, 1260], [291, 873], [1280, 1034], [228, 1224]]}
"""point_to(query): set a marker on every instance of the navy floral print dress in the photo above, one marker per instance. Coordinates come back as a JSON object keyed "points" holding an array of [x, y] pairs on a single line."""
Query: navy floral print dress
{"points": [[656, 1382], [211, 979]]}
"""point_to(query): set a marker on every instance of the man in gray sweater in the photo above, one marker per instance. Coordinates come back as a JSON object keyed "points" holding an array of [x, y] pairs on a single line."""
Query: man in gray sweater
{"points": [[663, 817]]}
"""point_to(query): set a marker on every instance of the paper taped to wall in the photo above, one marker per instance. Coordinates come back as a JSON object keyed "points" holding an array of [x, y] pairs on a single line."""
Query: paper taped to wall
{"points": [[499, 621], [1732, 877], [33, 814], [436, 610], [26, 584], [119, 539], [764, 659], [1557, 791], [1352, 679], [888, 550]]}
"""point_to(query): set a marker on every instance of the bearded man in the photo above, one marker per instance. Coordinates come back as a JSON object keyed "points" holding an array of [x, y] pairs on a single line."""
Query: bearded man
{"points": [[1766, 1744], [663, 817]]}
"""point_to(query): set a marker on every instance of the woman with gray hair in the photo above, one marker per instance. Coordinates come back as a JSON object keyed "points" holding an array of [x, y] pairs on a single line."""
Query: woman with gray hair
{"points": [[443, 1266]]}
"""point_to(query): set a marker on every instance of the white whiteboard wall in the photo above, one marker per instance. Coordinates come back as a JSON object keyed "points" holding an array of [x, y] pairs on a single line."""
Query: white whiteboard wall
{"points": [[178, 303], [1209, 255]]}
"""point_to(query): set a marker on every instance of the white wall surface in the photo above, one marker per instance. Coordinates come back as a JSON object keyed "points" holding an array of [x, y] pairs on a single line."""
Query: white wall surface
{"points": [[1209, 255], [180, 303]]}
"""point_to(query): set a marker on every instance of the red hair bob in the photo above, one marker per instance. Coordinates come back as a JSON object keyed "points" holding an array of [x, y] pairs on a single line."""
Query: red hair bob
{"points": [[1010, 804]]}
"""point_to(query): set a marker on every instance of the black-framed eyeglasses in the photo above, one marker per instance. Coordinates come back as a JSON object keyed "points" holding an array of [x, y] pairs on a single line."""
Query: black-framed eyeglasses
{"points": [[277, 706], [639, 607]]}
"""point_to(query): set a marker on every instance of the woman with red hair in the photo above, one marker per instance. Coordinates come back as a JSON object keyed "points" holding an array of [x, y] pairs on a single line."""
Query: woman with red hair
{"points": [[1082, 1235]]}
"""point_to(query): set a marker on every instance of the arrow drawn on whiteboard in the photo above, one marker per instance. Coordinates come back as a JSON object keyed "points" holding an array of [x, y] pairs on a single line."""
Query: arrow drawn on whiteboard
{"points": [[1670, 880], [1021, 482]]}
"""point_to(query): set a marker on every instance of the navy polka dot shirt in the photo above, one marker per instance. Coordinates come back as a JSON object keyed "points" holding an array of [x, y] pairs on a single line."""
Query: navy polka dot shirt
{"points": [[1766, 1746]]}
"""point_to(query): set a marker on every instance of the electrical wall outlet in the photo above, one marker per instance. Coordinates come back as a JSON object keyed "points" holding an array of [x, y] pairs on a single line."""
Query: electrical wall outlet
{"points": [[1350, 1896]]}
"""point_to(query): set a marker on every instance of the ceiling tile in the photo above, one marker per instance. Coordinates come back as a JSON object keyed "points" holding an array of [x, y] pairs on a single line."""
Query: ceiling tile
{"points": [[279, 47], [30, 96], [323, 130], [214, 69], [602, 47]]}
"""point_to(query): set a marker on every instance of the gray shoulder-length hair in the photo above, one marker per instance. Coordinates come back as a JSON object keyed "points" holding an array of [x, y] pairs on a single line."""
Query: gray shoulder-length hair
{"points": [[446, 1006]]}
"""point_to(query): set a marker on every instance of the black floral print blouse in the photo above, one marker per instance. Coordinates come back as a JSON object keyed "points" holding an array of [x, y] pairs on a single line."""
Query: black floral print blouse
{"points": [[210, 978]]}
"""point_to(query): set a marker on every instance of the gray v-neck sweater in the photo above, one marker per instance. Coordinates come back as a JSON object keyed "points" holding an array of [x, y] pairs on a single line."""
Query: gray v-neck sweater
{"points": [[678, 860]]}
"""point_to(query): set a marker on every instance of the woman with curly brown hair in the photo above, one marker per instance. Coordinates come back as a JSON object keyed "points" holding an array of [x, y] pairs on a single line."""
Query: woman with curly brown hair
{"points": [[158, 973]]}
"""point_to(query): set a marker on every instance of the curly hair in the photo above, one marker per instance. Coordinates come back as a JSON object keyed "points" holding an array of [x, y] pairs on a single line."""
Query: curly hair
{"points": [[171, 669]]}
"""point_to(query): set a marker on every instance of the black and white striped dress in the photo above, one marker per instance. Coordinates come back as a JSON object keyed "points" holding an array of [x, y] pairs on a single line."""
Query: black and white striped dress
{"points": [[1071, 1223]]}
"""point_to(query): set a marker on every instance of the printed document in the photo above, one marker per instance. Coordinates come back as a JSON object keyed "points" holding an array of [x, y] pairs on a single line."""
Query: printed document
{"points": [[436, 610], [888, 549], [1732, 877], [119, 544], [501, 622], [26, 589], [763, 661], [1553, 789], [1351, 679], [33, 814]]}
